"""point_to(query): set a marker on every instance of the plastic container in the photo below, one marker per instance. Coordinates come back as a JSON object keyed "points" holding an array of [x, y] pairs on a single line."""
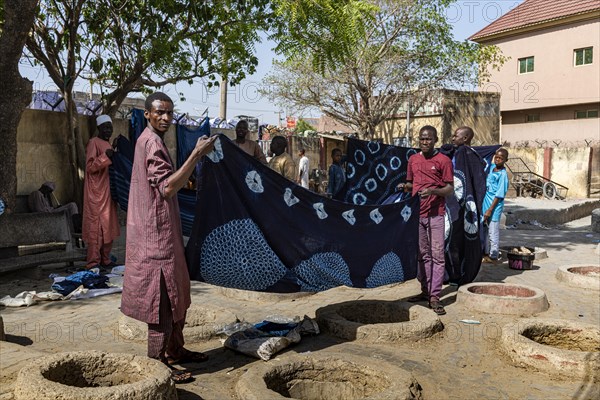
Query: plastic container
{"points": [[521, 261]]}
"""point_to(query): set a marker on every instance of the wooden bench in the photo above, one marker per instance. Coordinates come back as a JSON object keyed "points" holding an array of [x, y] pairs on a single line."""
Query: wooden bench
{"points": [[28, 229]]}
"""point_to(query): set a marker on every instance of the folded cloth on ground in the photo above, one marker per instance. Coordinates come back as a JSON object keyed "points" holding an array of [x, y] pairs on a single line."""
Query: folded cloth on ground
{"points": [[88, 279], [267, 338]]}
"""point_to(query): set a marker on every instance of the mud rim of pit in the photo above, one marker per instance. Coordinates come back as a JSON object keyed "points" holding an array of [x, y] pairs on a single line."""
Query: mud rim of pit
{"points": [[327, 375], [94, 375], [562, 348], [374, 321], [503, 298], [582, 276], [239, 294], [202, 323]]}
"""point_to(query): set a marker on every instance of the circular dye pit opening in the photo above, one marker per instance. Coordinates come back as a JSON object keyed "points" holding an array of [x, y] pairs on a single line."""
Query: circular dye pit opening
{"points": [[374, 312], [502, 290], [586, 271], [559, 347], [94, 375], [335, 377], [377, 321], [503, 298], [562, 337], [580, 276]]}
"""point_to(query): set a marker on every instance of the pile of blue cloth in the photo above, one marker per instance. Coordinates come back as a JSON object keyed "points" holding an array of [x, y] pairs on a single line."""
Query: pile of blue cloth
{"points": [[88, 279]]}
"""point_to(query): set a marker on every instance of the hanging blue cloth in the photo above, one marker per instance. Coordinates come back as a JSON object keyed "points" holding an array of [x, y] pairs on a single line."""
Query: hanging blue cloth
{"points": [[137, 124], [375, 169], [187, 136]]}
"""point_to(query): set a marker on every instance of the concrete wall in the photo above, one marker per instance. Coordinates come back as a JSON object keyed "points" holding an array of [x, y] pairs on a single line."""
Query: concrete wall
{"points": [[478, 110], [573, 131], [570, 167], [43, 153]]}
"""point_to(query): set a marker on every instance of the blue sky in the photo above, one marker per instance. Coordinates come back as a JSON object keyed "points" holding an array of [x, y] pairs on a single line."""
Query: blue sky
{"points": [[466, 16]]}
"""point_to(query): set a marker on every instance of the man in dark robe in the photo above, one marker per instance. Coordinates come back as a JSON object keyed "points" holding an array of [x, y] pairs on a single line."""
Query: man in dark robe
{"points": [[465, 237]]}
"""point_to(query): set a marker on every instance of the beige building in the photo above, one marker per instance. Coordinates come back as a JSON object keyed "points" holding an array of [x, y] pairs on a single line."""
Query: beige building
{"points": [[446, 110], [550, 86]]}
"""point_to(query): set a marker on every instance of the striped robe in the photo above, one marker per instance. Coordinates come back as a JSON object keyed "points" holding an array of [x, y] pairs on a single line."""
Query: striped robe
{"points": [[154, 240]]}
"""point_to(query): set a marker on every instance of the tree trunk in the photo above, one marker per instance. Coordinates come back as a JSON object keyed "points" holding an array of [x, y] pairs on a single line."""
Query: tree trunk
{"points": [[15, 93], [76, 149]]}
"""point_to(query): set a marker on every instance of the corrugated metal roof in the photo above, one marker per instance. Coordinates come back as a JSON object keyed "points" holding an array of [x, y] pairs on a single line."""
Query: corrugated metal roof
{"points": [[532, 12]]}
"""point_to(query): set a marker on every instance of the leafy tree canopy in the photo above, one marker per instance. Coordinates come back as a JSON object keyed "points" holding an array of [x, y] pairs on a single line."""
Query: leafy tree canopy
{"points": [[407, 51], [302, 126]]}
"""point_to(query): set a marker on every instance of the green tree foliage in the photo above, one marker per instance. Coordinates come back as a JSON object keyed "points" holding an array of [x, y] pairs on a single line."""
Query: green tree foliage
{"points": [[146, 44], [323, 31], [302, 126], [407, 52]]}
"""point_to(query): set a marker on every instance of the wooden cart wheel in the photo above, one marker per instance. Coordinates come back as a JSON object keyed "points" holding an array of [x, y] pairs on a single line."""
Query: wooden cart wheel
{"points": [[549, 190]]}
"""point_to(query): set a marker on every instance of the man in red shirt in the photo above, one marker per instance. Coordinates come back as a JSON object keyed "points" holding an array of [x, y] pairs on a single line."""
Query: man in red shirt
{"points": [[430, 175]]}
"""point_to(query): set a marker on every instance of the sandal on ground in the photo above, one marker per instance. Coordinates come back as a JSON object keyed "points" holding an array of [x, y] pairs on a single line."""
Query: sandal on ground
{"points": [[420, 297], [437, 307], [188, 356], [181, 376], [110, 265]]}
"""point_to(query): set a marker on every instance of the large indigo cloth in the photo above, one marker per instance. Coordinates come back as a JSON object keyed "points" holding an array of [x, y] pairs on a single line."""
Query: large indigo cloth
{"points": [[256, 230], [374, 170]]}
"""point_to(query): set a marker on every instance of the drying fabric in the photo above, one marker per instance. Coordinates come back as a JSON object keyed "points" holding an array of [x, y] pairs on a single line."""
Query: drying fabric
{"points": [[374, 170], [187, 137], [256, 230], [464, 234]]}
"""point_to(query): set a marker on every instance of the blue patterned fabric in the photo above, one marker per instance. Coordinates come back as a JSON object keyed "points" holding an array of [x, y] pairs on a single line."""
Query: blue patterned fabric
{"points": [[374, 170], [464, 234], [256, 230]]}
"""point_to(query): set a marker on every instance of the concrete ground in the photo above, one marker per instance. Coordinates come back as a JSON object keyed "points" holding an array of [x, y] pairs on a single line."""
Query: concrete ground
{"points": [[461, 362]]}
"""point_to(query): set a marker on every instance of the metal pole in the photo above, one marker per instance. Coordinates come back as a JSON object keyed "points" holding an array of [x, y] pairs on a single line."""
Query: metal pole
{"points": [[407, 121], [223, 103]]}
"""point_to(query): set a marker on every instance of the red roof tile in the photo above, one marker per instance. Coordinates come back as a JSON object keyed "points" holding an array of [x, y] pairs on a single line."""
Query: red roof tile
{"points": [[532, 12]]}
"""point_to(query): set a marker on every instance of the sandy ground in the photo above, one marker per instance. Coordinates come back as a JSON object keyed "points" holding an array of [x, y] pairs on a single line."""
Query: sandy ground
{"points": [[461, 362]]}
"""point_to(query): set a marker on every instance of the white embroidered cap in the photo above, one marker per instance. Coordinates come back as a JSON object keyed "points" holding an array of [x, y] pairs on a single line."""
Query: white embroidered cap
{"points": [[103, 119]]}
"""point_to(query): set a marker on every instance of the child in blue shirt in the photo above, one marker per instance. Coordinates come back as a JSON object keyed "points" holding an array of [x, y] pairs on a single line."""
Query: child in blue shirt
{"points": [[493, 204]]}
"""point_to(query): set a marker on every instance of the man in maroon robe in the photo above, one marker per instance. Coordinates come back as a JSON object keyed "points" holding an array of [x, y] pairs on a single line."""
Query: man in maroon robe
{"points": [[156, 286], [100, 222]]}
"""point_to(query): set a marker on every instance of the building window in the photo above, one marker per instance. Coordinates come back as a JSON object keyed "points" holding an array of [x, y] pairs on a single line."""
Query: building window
{"points": [[586, 114], [525, 65], [532, 118], [583, 56]]}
